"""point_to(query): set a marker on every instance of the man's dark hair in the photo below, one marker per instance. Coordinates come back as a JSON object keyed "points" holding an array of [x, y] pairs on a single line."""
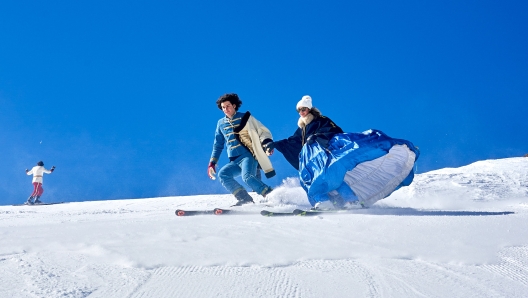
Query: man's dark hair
{"points": [[40, 163], [232, 98]]}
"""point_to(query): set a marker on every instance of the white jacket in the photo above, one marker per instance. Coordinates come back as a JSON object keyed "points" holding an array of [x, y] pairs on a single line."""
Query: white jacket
{"points": [[252, 133], [38, 172]]}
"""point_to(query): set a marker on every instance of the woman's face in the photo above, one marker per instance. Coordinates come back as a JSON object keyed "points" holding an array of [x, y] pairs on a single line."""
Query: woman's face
{"points": [[303, 111]]}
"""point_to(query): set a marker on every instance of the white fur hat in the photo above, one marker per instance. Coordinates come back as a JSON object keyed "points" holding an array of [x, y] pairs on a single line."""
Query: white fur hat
{"points": [[306, 101]]}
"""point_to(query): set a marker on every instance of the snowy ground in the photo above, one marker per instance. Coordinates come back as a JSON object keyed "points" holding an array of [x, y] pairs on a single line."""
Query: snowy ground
{"points": [[450, 234]]}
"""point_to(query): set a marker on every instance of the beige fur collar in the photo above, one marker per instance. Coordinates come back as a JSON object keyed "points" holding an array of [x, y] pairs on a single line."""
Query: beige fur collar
{"points": [[305, 121]]}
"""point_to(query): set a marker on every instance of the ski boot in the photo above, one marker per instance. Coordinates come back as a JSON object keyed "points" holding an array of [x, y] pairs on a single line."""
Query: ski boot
{"points": [[267, 191], [324, 206], [329, 201], [29, 201], [243, 198], [37, 201], [337, 200], [353, 205]]}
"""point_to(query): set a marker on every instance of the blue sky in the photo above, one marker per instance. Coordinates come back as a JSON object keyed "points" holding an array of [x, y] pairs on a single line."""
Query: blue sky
{"points": [[120, 96]]}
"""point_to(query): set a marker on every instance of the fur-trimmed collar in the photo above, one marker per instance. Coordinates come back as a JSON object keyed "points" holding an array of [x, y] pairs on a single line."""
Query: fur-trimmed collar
{"points": [[305, 121]]}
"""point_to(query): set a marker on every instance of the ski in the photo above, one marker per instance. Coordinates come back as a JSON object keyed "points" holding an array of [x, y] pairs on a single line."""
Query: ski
{"points": [[180, 212], [296, 212], [216, 211], [270, 213], [38, 204], [299, 212]]}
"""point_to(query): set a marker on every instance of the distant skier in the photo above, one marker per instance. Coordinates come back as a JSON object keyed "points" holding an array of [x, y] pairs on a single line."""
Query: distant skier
{"points": [[38, 173], [244, 136]]}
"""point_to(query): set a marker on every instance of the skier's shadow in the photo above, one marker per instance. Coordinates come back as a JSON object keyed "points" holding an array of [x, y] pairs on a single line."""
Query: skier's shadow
{"points": [[416, 212]]}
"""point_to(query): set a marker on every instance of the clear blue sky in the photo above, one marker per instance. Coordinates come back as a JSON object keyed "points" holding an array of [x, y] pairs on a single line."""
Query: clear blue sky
{"points": [[120, 95]]}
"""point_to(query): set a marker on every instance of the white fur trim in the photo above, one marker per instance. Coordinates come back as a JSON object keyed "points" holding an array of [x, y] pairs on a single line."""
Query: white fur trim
{"points": [[303, 121]]}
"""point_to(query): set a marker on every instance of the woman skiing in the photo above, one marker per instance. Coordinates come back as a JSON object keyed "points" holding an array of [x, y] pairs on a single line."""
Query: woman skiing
{"points": [[38, 173], [344, 170]]}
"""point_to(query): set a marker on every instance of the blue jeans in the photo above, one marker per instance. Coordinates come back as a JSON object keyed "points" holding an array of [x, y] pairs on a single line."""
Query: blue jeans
{"points": [[246, 166]]}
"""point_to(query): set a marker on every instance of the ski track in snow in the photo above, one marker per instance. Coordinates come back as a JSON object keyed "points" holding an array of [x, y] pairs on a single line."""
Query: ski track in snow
{"points": [[513, 264], [471, 246], [353, 278]]}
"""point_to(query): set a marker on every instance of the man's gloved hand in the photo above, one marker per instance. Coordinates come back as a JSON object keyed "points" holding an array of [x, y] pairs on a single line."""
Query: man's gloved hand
{"points": [[269, 147], [52, 169], [27, 170], [211, 171]]}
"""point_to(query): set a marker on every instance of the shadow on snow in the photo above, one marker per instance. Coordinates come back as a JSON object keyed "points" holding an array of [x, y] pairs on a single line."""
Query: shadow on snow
{"points": [[416, 212]]}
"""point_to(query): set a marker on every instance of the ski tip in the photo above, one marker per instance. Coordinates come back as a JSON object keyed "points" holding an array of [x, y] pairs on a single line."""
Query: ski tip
{"points": [[180, 212], [299, 212], [266, 213]]}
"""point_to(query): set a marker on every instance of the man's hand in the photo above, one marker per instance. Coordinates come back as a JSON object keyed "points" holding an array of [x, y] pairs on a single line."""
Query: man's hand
{"points": [[269, 148], [52, 169], [211, 171], [27, 170]]}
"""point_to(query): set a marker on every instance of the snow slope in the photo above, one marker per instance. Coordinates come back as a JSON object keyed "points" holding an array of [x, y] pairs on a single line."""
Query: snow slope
{"points": [[453, 233]]}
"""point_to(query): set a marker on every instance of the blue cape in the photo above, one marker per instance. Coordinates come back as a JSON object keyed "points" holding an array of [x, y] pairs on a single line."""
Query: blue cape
{"points": [[323, 168]]}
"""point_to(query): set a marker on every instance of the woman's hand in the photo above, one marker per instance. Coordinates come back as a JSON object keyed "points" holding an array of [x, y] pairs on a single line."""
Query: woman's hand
{"points": [[269, 148]]}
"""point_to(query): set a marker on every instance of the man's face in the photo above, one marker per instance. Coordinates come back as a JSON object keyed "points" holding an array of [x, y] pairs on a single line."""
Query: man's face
{"points": [[228, 108]]}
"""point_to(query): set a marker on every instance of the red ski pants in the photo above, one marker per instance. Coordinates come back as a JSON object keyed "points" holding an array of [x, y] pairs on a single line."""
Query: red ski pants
{"points": [[37, 189]]}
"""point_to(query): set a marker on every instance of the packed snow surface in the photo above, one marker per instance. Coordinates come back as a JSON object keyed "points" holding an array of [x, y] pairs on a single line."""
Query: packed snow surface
{"points": [[458, 232]]}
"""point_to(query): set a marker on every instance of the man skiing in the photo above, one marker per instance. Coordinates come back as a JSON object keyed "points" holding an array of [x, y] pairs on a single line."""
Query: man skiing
{"points": [[245, 137], [38, 173]]}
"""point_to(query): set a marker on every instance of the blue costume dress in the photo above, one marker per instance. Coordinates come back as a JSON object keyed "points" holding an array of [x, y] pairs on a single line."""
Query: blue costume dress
{"points": [[364, 167]]}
